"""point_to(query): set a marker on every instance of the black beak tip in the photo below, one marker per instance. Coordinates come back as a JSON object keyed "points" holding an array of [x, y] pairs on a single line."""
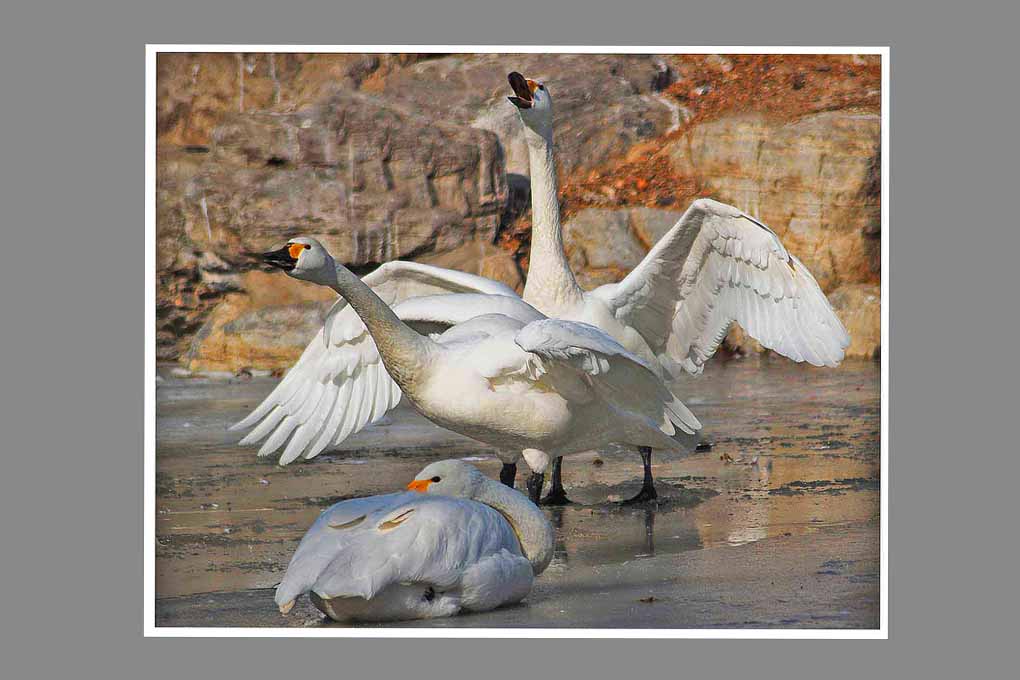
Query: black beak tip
{"points": [[281, 259], [520, 87], [519, 103]]}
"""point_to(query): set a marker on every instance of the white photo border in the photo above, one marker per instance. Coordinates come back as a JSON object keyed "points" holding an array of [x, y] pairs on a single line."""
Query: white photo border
{"points": [[149, 478]]}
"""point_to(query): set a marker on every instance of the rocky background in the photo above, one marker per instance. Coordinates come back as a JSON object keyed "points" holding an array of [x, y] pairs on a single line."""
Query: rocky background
{"points": [[418, 157]]}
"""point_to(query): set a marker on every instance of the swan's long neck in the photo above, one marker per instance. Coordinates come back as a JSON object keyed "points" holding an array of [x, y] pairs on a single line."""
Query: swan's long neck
{"points": [[529, 523], [551, 284], [404, 352]]}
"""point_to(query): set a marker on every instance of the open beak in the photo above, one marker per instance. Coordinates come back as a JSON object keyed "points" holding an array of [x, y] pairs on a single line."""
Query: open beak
{"points": [[523, 88], [420, 485], [281, 259]]}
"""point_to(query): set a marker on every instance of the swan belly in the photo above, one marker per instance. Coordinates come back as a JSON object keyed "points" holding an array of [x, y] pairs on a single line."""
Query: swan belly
{"points": [[397, 602], [500, 405], [506, 415], [495, 580]]}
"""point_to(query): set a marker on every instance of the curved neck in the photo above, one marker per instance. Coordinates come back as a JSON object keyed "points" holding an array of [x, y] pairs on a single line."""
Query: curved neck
{"points": [[550, 281], [529, 523], [404, 352]]}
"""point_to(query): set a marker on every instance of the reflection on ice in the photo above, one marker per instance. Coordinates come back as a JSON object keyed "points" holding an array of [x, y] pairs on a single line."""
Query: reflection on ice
{"points": [[746, 535], [227, 522]]}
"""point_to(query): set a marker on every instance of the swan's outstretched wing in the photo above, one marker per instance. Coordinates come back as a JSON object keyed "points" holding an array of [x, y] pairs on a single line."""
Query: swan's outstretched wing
{"points": [[358, 547], [718, 265], [339, 384], [398, 281], [622, 378]]}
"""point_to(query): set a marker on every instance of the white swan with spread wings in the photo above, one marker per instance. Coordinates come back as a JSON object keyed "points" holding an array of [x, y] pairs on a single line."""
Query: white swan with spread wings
{"points": [[339, 384], [717, 265], [506, 376]]}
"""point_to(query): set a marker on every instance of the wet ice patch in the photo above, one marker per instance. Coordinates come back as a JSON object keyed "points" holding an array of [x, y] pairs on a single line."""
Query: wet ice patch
{"points": [[747, 535]]}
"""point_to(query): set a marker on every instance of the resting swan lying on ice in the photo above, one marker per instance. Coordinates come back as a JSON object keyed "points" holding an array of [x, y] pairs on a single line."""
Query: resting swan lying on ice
{"points": [[462, 543]]}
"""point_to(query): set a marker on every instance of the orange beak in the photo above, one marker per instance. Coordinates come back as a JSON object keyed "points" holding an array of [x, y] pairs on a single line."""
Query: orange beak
{"points": [[420, 485]]}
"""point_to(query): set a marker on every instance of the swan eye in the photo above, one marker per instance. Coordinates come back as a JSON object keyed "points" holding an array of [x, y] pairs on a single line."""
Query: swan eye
{"points": [[435, 479], [541, 87]]}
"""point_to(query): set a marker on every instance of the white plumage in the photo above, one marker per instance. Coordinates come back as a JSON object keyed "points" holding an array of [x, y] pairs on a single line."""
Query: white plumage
{"points": [[409, 555], [339, 384], [515, 380], [715, 266]]}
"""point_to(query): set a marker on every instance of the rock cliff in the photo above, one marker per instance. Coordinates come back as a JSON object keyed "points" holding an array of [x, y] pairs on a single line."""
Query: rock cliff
{"points": [[418, 157]]}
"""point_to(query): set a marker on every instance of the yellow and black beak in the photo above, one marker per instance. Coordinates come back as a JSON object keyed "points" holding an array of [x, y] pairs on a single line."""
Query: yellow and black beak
{"points": [[419, 485], [285, 258], [523, 88]]}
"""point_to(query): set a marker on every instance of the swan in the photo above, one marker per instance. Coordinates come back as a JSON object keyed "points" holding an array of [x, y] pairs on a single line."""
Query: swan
{"points": [[339, 385], [504, 375], [456, 541], [717, 265]]}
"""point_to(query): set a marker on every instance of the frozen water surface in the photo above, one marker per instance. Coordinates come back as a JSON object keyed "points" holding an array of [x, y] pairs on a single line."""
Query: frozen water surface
{"points": [[786, 535]]}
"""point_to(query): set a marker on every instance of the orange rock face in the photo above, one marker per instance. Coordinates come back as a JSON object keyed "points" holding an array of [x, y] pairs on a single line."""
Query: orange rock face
{"points": [[418, 156], [815, 181]]}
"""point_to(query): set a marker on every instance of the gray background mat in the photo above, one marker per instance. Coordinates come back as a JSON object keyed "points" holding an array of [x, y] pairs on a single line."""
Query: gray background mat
{"points": [[72, 279]]}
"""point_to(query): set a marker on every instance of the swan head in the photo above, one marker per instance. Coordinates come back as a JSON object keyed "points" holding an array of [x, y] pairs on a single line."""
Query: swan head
{"points": [[533, 102], [303, 258], [449, 478]]}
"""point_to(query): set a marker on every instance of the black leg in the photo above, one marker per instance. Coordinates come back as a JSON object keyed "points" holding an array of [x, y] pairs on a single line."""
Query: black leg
{"points": [[535, 486], [508, 474], [557, 494], [647, 492]]}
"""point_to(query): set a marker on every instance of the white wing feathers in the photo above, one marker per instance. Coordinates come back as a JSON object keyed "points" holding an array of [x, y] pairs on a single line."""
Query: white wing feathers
{"points": [[321, 543], [620, 377], [332, 391], [339, 385], [396, 281], [359, 547], [718, 265]]}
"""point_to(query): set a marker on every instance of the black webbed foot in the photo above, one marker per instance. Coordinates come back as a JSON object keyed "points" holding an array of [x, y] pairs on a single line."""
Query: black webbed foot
{"points": [[556, 497], [647, 493]]}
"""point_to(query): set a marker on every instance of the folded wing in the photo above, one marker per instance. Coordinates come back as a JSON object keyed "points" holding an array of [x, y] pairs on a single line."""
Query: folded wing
{"points": [[618, 376], [359, 547]]}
